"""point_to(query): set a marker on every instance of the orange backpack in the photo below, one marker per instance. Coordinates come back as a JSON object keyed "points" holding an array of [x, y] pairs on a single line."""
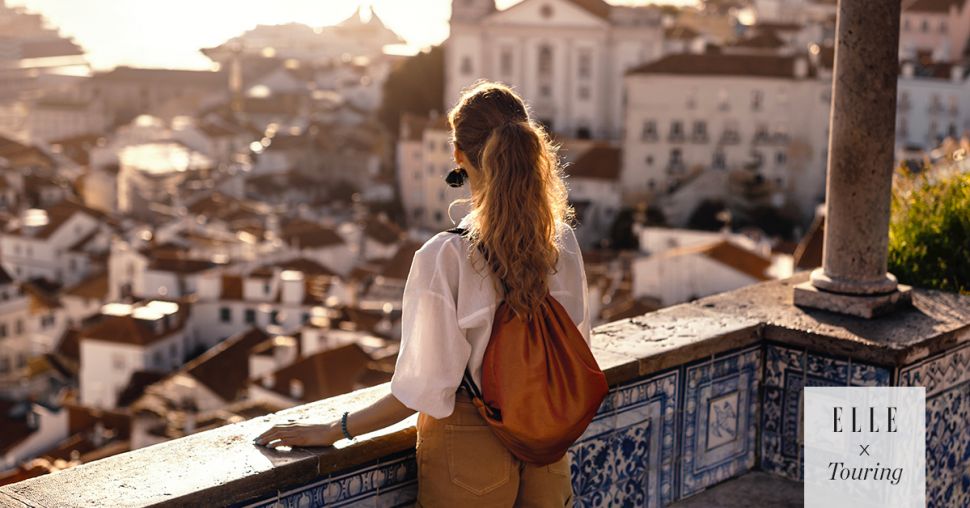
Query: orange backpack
{"points": [[541, 385]]}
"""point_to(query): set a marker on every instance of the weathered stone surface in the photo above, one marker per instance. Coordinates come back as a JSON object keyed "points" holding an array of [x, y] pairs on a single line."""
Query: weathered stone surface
{"points": [[7, 501], [211, 468], [674, 336], [753, 489], [937, 321], [865, 306]]}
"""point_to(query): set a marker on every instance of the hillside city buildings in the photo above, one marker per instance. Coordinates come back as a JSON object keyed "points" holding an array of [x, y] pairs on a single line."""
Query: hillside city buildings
{"points": [[184, 249]]}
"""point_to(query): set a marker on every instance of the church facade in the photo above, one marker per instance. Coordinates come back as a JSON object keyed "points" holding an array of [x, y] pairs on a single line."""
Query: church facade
{"points": [[567, 58]]}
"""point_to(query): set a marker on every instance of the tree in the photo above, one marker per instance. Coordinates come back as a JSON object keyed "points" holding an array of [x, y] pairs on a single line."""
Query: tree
{"points": [[929, 233], [416, 86]]}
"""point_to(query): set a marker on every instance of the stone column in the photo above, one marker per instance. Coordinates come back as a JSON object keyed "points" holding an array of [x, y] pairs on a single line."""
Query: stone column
{"points": [[853, 277]]}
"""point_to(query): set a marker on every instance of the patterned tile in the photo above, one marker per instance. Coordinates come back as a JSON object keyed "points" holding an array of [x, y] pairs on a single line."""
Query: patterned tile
{"points": [[628, 464], [720, 419], [947, 381], [787, 372], [391, 483]]}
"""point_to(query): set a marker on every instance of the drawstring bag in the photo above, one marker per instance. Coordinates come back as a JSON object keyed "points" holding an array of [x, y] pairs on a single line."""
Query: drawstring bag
{"points": [[541, 385]]}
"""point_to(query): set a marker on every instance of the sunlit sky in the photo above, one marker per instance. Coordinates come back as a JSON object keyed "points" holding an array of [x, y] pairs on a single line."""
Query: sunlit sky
{"points": [[169, 33]]}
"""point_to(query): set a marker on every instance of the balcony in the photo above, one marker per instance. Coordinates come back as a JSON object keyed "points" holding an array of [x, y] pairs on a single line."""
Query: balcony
{"points": [[656, 440]]}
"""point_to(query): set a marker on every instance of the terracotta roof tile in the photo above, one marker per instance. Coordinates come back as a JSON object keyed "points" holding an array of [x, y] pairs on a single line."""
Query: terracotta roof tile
{"points": [[224, 368], [601, 162], [935, 6], [129, 330], [94, 287], [382, 230], [137, 382], [717, 64], [399, 265], [325, 374], [729, 254]]}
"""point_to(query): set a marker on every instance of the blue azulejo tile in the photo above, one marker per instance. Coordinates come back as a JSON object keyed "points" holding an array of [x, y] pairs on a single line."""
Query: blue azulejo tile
{"points": [[947, 381], [619, 460], [787, 372], [720, 419], [391, 482]]}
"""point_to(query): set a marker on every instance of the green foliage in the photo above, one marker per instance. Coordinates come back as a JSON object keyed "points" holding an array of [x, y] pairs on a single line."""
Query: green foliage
{"points": [[416, 86], [929, 234]]}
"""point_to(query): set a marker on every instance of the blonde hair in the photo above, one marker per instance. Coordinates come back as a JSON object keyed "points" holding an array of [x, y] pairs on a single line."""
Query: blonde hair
{"points": [[521, 199]]}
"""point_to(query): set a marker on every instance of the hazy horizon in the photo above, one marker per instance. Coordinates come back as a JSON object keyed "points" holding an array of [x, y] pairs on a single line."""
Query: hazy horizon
{"points": [[134, 33]]}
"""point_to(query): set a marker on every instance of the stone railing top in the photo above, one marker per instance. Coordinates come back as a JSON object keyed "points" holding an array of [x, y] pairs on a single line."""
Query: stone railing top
{"points": [[937, 321], [222, 466]]}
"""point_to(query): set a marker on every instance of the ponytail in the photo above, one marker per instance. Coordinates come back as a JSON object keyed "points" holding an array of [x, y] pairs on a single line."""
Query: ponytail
{"points": [[521, 199]]}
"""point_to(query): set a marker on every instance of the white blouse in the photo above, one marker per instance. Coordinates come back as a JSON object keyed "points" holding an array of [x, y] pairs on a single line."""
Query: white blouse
{"points": [[447, 317]]}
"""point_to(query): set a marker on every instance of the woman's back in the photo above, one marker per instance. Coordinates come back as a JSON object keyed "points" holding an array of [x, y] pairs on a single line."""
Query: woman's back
{"points": [[450, 302]]}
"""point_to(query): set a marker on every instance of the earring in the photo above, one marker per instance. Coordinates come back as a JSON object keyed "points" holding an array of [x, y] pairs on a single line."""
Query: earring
{"points": [[456, 177]]}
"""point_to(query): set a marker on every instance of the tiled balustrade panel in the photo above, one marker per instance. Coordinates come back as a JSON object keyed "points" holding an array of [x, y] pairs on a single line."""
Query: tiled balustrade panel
{"points": [[720, 419], [787, 372], [947, 381], [392, 482], [626, 456]]}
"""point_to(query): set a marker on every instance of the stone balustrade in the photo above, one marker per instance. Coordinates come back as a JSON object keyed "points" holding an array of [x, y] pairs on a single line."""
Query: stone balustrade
{"points": [[700, 393]]}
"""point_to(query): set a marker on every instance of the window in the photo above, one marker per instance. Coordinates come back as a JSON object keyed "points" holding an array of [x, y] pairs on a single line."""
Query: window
{"points": [[545, 91], [3, 330], [118, 361], [505, 62], [676, 130], [781, 158], [925, 26], [906, 25], [417, 175], [438, 216], [585, 63], [700, 131], [274, 317], [545, 59], [19, 327], [583, 132], [466, 65], [651, 184], [583, 92], [250, 316], [430, 145], [757, 98], [649, 160], [546, 11], [225, 315], [306, 317], [4, 364], [943, 27], [266, 288], [649, 132], [157, 358], [675, 157], [173, 352]]}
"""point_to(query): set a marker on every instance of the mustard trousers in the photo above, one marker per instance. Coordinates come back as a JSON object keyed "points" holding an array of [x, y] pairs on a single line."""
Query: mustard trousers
{"points": [[462, 464]]}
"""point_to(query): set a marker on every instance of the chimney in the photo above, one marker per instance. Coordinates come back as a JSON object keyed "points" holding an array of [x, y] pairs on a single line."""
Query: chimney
{"points": [[296, 389], [293, 288], [268, 381], [284, 351]]}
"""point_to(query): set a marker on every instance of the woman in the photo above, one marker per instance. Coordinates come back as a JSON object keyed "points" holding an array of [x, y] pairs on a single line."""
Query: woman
{"points": [[519, 215]]}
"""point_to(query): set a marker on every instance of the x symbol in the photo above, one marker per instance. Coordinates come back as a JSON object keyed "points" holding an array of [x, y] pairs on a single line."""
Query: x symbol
{"points": [[865, 450]]}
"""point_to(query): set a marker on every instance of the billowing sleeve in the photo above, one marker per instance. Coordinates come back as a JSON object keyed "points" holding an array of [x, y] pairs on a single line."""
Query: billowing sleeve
{"points": [[434, 350], [583, 290]]}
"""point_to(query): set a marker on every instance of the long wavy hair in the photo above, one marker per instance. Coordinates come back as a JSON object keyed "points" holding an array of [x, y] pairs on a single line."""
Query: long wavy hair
{"points": [[520, 198]]}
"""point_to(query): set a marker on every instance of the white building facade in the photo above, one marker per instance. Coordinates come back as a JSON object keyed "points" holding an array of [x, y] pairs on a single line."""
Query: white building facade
{"points": [[565, 57]]}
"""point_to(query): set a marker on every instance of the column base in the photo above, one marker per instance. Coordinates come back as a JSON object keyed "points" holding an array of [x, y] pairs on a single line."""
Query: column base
{"points": [[870, 306]]}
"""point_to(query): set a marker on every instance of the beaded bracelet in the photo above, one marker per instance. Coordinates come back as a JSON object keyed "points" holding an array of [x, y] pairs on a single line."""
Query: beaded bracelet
{"points": [[343, 425]]}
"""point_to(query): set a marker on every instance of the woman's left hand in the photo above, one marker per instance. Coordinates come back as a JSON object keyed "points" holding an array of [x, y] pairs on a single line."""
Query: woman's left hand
{"points": [[300, 434]]}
